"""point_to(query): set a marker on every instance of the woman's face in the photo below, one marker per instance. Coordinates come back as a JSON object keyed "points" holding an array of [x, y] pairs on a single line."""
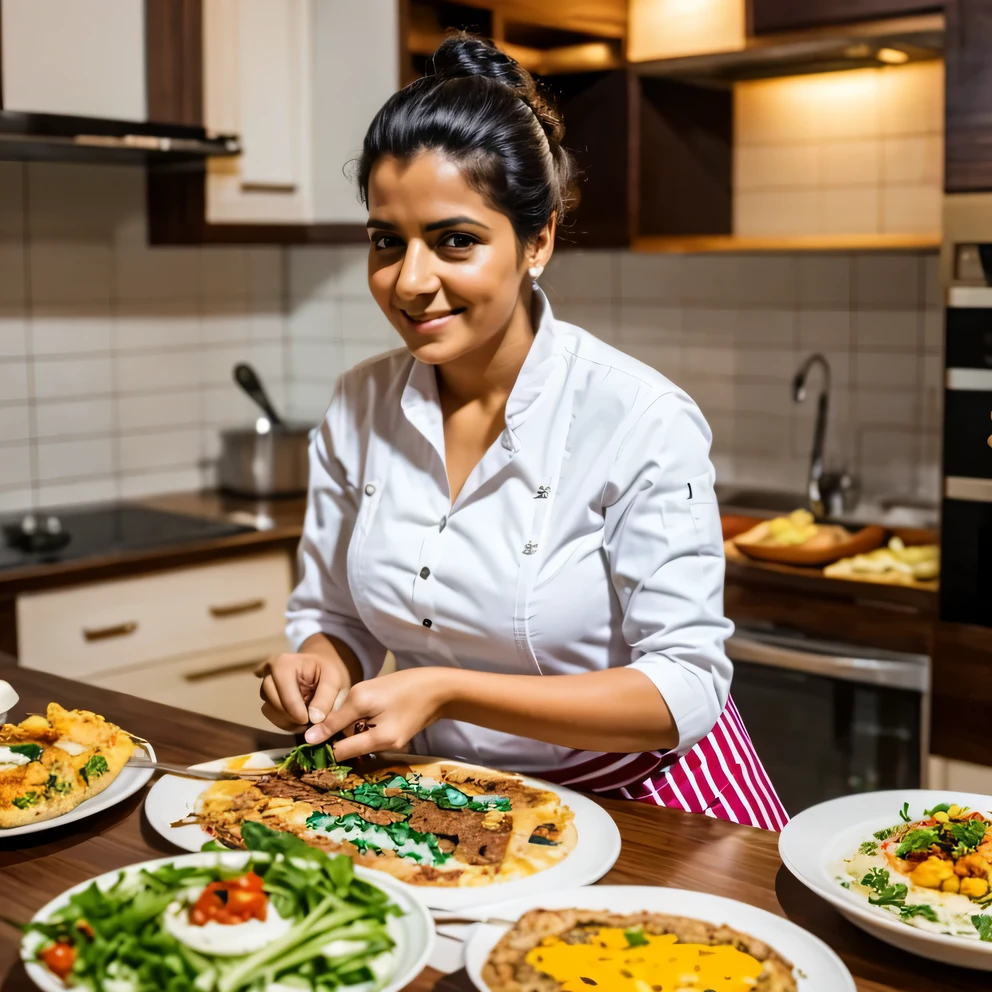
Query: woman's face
{"points": [[444, 266]]}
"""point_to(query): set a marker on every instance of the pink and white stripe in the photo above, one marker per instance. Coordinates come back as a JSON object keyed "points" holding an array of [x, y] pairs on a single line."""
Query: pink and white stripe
{"points": [[722, 776]]}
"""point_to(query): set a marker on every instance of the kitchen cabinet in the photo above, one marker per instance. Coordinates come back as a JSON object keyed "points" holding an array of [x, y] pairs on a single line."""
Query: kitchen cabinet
{"points": [[968, 148], [767, 16], [187, 636], [295, 81], [84, 58]]}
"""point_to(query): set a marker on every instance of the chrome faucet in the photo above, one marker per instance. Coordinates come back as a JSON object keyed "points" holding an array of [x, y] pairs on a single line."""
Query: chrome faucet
{"points": [[829, 493]]}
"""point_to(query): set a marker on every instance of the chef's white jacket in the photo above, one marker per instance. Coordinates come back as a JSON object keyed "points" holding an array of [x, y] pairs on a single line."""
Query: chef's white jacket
{"points": [[587, 537]]}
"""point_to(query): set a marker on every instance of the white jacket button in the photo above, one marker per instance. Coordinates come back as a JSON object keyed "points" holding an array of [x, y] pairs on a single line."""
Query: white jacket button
{"points": [[369, 489]]}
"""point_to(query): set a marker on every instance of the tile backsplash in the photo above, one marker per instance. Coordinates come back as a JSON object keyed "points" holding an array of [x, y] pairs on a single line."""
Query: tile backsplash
{"points": [[116, 358]]}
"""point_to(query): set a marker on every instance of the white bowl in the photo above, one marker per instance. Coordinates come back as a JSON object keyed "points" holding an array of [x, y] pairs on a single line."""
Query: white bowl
{"points": [[818, 838], [414, 933]]}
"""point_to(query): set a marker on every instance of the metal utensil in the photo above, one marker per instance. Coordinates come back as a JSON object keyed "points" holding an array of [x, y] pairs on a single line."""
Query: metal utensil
{"points": [[210, 775], [247, 378]]}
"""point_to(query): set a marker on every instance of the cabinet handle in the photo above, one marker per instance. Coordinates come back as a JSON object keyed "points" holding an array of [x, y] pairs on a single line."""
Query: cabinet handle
{"points": [[211, 673], [104, 633], [236, 609]]}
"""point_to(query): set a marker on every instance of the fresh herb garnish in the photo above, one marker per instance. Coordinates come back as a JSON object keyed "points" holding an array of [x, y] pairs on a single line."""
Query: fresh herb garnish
{"points": [[904, 813], [635, 937], [884, 894], [27, 800], [399, 834], [968, 836], [314, 758], [30, 751], [884, 834], [919, 909], [876, 879], [983, 924], [94, 768], [917, 840], [60, 788], [939, 808], [868, 847]]}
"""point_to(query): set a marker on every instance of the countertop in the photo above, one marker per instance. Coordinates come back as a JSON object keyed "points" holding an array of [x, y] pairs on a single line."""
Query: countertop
{"points": [[660, 847]]}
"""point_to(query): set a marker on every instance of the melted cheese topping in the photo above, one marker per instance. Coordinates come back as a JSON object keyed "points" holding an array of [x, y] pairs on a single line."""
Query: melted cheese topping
{"points": [[662, 965]]}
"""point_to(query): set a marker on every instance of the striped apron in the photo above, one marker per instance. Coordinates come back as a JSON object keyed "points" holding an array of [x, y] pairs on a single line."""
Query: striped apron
{"points": [[722, 776]]}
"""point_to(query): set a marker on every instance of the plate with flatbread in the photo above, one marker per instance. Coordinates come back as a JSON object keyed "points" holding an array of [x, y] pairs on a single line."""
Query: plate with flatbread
{"points": [[64, 766], [450, 830], [625, 938]]}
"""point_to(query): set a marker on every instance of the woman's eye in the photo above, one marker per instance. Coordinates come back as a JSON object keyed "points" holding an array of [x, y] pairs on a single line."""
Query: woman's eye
{"points": [[386, 241], [457, 241]]}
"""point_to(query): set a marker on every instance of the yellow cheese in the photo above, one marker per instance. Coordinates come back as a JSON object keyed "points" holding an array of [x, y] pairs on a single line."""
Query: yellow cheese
{"points": [[613, 965]]}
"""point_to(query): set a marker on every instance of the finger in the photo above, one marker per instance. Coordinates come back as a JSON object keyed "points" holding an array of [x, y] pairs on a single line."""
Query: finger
{"points": [[335, 721], [367, 742], [291, 683], [279, 718], [325, 698]]}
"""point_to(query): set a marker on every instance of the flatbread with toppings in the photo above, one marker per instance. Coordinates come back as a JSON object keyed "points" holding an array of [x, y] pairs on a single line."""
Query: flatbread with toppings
{"points": [[570, 949], [431, 823], [48, 766]]}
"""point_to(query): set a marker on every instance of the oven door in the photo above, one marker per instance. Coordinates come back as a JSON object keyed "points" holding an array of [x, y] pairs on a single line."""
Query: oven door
{"points": [[829, 719]]}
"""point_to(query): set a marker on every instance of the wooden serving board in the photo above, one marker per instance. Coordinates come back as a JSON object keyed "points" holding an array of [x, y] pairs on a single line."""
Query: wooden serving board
{"points": [[860, 542]]}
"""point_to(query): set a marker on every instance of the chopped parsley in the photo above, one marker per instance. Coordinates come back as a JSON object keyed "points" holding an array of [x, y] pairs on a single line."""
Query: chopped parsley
{"points": [[27, 800], [399, 833], [314, 758], [868, 847], [94, 768], [54, 784], [920, 909], [983, 924], [30, 751], [968, 836], [884, 834], [918, 840], [884, 894], [635, 937]]}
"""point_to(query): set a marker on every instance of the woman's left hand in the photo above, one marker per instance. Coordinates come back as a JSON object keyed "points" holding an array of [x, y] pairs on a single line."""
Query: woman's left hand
{"points": [[395, 707]]}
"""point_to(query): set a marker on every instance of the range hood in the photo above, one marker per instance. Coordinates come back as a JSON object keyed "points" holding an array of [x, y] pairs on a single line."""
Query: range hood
{"points": [[58, 137], [853, 46]]}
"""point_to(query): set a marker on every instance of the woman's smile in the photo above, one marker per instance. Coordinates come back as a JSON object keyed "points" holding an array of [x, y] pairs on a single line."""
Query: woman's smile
{"points": [[431, 321]]}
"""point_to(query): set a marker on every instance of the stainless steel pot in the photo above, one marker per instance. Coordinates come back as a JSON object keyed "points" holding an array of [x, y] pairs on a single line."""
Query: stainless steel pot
{"points": [[268, 459], [266, 463]]}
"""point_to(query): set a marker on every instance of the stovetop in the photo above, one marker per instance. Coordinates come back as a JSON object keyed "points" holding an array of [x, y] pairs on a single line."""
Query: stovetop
{"points": [[107, 530]]}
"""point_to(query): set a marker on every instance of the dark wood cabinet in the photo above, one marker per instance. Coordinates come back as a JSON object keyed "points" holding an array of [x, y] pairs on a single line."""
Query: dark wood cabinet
{"points": [[968, 136], [768, 16]]}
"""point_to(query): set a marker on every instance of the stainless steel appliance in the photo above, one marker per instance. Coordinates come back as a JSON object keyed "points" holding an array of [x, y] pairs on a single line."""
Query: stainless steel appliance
{"points": [[830, 718], [268, 459]]}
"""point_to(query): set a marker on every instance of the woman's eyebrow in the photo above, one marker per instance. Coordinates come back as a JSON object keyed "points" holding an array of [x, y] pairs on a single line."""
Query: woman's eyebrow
{"points": [[453, 221], [384, 224]]}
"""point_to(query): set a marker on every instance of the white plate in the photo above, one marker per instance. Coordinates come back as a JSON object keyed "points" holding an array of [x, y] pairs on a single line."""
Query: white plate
{"points": [[818, 838], [817, 968], [414, 936], [172, 798], [126, 784]]}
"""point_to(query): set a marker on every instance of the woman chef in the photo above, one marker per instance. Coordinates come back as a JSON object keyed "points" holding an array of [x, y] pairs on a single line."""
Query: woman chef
{"points": [[522, 514]]}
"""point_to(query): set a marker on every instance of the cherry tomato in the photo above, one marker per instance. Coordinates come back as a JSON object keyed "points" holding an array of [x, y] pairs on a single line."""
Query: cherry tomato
{"points": [[59, 958], [232, 902]]}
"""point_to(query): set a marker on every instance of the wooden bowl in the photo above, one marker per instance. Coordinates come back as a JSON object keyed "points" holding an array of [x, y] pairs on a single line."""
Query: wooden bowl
{"points": [[856, 543], [735, 525]]}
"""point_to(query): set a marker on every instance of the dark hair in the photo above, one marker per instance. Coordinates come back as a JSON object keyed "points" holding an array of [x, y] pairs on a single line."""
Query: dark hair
{"points": [[481, 108]]}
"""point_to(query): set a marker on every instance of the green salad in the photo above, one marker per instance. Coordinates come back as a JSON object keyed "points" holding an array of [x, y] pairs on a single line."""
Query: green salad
{"points": [[291, 918]]}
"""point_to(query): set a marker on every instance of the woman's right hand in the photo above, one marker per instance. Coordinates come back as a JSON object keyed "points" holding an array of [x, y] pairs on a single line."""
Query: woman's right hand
{"points": [[301, 689]]}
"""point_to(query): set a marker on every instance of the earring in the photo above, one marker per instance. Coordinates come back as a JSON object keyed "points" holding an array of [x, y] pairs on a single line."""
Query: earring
{"points": [[535, 271]]}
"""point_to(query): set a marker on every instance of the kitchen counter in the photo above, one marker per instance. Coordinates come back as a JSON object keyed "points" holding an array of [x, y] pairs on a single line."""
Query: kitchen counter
{"points": [[660, 847]]}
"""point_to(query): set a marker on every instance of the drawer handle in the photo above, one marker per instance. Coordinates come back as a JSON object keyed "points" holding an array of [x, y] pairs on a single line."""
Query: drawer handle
{"points": [[105, 633], [236, 609], [212, 673]]}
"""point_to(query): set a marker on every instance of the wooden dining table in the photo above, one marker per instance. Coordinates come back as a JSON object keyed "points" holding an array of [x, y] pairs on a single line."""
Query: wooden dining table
{"points": [[660, 847]]}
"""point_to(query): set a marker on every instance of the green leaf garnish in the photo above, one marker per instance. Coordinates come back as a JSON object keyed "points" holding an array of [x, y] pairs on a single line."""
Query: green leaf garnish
{"points": [[983, 924], [868, 847], [27, 800], [635, 937], [884, 834], [939, 808], [876, 879], [920, 909], [968, 836], [30, 751], [904, 813], [917, 840], [94, 768]]}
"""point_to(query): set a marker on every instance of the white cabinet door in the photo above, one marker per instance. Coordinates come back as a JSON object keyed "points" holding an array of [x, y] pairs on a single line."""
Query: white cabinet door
{"points": [[256, 62], [84, 57]]}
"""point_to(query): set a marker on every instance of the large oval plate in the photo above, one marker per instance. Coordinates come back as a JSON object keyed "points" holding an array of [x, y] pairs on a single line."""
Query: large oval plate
{"points": [[173, 798], [414, 932], [127, 783], [817, 967], [818, 838]]}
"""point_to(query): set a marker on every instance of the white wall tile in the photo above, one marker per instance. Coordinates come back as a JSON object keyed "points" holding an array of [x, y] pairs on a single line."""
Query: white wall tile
{"points": [[850, 210], [75, 459], [823, 280], [13, 500], [850, 163], [649, 324], [142, 412], [15, 465], [888, 460], [328, 272], [766, 327], [86, 416], [779, 166], [224, 273], [52, 494], [13, 381], [886, 280], [15, 424], [12, 201], [229, 407], [913, 159], [12, 272], [651, 277], [177, 480], [156, 275], [596, 318], [63, 331], [898, 408], [165, 449], [888, 330], [933, 291], [912, 209], [933, 331], [72, 201], [61, 378], [315, 319], [316, 361], [71, 272], [824, 330], [583, 275], [150, 326], [265, 274], [308, 401], [362, 320], [885, 370], [665, 357], [139, 373], [225, 323], [265, 323]]}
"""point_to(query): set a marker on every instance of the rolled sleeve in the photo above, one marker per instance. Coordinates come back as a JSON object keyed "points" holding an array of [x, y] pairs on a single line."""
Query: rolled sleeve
{"points": [[665, 549], [322, 602]]}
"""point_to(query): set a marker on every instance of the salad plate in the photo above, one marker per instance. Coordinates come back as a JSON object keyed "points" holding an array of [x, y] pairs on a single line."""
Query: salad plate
{"points": [[811, 965], [910, 867], [271, 919]]}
